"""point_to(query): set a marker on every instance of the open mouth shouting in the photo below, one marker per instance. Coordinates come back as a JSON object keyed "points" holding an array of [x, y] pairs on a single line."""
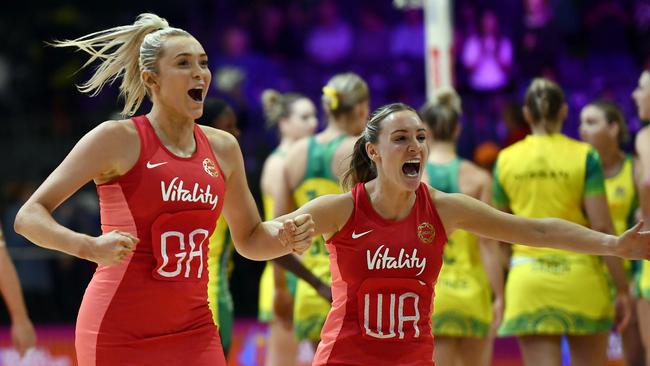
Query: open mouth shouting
{"points": [[196, 94], [411, 168]]}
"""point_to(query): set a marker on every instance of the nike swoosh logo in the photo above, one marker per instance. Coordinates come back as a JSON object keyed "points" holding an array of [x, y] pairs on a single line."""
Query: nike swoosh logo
{"points": [[151, 166], [357, 236]]}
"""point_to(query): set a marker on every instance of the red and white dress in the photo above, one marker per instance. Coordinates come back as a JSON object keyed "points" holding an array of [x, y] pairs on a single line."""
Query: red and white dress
{"points": [[152, 309], [383, 275]]}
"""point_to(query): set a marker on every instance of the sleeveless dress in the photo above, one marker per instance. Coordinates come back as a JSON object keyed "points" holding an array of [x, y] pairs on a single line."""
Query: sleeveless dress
{"points": [[383, 277], [152, 309], [267, 282], [220, 266], [463, 303], [552, 291]]}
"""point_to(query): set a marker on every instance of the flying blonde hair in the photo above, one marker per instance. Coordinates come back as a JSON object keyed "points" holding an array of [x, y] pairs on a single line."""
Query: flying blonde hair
{"points": [[125, 52]]}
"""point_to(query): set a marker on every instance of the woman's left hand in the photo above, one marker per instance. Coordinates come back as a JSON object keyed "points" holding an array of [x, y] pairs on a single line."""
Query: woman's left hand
{"points": [[634, 243]]}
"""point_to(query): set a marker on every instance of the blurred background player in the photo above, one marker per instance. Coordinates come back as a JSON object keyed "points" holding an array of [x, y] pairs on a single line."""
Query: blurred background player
{"points": [[294, 116], [603, 126], [551, 292], [641, 96], [22, 329], [462, 313], [313, 167]]}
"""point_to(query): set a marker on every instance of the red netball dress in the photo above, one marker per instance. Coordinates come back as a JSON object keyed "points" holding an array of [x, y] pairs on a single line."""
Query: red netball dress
{"points": [[383, 275], [152, 309]]}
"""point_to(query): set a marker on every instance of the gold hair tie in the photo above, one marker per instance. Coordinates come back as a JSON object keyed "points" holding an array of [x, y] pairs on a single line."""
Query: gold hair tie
{"points": [[334, 99]]}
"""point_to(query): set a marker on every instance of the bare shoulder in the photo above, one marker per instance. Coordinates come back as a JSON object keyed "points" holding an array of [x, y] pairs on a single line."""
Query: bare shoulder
{"points": [[473, 179], [643, 135], [272, 172], [296, 162], [298, 149], [117, 129]]}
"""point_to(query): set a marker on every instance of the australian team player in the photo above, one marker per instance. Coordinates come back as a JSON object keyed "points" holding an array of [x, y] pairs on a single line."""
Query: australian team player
{"points": [[462, 321], [162, 182], [294, 116], [386, 239], [553, 293], [641, 96], [313, 167], [603, 126]]}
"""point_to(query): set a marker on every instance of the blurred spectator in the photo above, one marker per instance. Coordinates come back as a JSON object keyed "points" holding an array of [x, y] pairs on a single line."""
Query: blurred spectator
{"points": [[371, 38], [488, 56], [642, 28], [330, 41], [407, 37], [273, 36], [539, 42], [515, 125], [607, 25]]}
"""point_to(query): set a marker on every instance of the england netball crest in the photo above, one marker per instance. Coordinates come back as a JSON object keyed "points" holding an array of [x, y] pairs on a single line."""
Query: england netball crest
{"points": [[210, 167], [426, 232]]}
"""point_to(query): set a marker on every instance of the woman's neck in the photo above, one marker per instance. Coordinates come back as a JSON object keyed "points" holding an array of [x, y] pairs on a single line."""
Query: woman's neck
{"points": [[543, 129], [612, 159], [390, 201], [177, 134], [441, 152]]}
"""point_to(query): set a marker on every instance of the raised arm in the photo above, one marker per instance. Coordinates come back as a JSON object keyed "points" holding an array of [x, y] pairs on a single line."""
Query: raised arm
{"points": [[462, 212], [22, 329], [99, 155]]}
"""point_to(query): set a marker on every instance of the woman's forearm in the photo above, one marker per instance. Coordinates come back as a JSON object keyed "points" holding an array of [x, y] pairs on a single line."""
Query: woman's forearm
{"points": [[562, 234], [36, 223]]}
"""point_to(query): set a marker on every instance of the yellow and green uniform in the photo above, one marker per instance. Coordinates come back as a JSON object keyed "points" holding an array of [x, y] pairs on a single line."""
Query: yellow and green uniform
{"points": [[623, 201], [267, 283], [219, 267], [310, 309], [462, 305], [552, 291]]}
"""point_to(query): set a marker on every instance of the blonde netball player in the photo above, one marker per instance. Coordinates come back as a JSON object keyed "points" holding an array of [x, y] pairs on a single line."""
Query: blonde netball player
{"points": [[294, 116], [551, 292], [603, 126], [462, 313], [641, 97], [162, 182], [313, 167]]}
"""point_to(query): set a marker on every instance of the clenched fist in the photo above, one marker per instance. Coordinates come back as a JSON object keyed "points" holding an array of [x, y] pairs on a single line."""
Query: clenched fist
{"points": [[111, 248], [297, 233]]}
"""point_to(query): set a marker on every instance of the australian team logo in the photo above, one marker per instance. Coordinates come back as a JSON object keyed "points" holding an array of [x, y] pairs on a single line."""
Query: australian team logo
{"points": [[426, 232], [210, 167]]}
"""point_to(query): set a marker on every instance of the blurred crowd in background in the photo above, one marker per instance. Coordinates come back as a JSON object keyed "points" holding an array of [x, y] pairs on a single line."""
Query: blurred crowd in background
{"points": [[593, 48]]}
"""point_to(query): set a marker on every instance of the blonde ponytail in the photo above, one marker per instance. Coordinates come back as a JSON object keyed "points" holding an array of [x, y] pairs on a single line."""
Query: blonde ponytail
{"points": [[124, 52]]}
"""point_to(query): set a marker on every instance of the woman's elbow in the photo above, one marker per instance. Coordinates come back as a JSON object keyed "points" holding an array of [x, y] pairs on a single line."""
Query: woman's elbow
{"points": [[21, 221]]}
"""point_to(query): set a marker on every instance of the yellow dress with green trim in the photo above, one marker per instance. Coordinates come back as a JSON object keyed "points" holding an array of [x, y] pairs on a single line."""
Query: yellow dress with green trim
{"points": [[463, 302], [310, 309], [267, 282], [220, 266], [552, 291]]}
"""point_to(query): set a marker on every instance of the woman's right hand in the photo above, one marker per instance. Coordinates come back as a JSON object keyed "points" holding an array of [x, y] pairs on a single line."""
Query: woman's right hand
{"points": [[111, 248]]}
